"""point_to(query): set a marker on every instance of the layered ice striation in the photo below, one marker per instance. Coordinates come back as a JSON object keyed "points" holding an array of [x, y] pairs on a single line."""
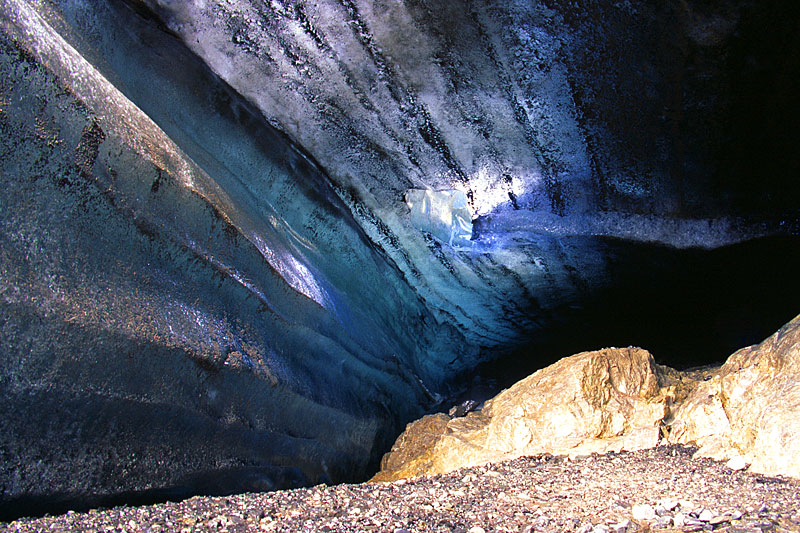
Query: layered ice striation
{"points": [[185, 303]]}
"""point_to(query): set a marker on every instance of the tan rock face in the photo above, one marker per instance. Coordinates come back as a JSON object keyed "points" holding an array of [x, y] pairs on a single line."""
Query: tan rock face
{"points": [[598, 401], [615, 399], [750, 408]]}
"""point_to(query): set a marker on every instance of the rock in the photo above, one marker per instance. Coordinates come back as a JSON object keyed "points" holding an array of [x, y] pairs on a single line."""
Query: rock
{"points": [[736, 462], [664, 522], [476, 529], [750, 407], [615, 399], [599, 401], [668, 504], [706, 515], [621, 527], [686, 505], [719, 519], [412, 452], [643, 512]]}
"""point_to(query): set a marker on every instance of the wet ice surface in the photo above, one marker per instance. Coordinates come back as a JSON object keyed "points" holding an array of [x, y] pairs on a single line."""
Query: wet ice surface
{"points": [[444, 214], [544, 493]]}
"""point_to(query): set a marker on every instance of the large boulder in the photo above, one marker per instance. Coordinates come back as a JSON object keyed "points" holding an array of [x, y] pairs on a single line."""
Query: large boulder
{"points": [[750, 407], [616, 399], [610, 399]]}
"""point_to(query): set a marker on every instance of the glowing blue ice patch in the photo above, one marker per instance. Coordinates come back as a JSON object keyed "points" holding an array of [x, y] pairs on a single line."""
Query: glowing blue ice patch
{"points": [[444, 214]]}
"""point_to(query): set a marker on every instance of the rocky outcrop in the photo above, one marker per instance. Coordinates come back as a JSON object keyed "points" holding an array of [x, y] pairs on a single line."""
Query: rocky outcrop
{"points": [[750, 408], [610, 399], [615, 399]]}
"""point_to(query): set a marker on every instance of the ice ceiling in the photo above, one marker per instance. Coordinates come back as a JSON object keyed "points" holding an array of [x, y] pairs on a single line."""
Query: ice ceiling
{"points": [[243, 242]]}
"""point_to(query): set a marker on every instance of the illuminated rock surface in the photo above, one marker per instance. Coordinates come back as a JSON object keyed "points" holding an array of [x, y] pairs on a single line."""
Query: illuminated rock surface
{"points": [[618, 399], [211, 279], [750, 408], [610, 399]]}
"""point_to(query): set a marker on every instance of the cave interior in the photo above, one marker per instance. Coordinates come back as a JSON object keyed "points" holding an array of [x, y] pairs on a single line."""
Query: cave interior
{"points": [[244, 243]]}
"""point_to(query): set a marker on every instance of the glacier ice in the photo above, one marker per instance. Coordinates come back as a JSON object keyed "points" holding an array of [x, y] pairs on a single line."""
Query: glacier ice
{"points": [[444, 214]]}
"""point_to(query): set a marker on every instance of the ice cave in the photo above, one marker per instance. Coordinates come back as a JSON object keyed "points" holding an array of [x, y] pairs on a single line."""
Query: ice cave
{"points": [[244, 242]]}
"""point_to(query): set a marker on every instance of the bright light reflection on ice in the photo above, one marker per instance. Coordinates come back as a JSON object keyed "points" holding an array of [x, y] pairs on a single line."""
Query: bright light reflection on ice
{"points": [[444, 214]]}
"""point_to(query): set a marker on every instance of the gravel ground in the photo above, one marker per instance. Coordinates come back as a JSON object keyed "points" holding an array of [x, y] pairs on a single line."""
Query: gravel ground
{"points": [[661, 489]]}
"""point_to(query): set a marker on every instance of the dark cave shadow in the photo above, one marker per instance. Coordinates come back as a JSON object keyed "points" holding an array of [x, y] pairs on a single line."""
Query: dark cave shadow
{"points": [[688, 307]]}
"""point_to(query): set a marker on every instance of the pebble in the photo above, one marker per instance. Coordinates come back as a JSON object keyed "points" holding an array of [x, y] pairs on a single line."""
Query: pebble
{"points": [[621, 527], [470, 497], [706, 515], [643, 512], [736, 463], [669, 505], [664, 522], [720, 519]]}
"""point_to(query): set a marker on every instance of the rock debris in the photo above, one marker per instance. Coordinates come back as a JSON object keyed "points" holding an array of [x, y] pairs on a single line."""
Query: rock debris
{"points": [[659, 489]]}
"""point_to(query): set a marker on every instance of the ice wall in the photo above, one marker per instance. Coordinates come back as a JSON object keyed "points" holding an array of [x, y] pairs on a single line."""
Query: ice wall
{"points": [[557, 120], [185, 305]]}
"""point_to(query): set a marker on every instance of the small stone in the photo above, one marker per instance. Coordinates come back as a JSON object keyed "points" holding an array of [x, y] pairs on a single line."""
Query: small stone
{"points": [[664, 522], [693, 527], [661, 510], [719, 519], [600, 528], [686, 505], [476, 529], [621, 527], [401, 530], [586, 528], [668, 504], [706, 515], [622, 504], [643, 512], [736, 463], [679, 519]]}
